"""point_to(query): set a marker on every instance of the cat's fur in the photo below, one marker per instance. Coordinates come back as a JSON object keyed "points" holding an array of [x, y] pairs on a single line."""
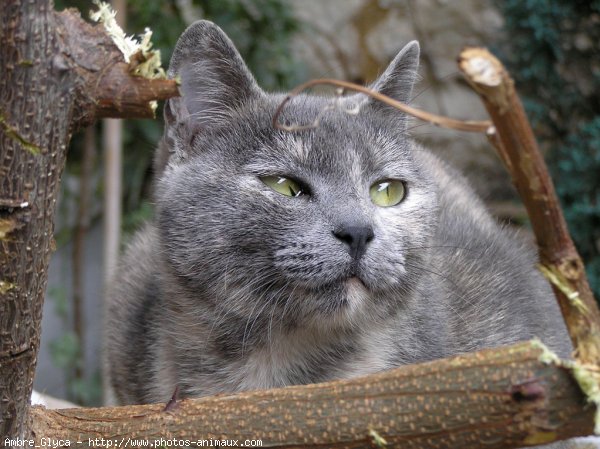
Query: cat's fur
{"points": [[233, 286]]}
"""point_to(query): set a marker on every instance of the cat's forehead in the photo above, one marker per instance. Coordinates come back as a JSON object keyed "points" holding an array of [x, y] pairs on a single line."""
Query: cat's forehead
{"points": [[325, 138], [340, 147]]}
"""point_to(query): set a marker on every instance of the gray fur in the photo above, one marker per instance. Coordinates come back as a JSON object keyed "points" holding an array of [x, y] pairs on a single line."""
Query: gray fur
{"points": [[233, 286]]}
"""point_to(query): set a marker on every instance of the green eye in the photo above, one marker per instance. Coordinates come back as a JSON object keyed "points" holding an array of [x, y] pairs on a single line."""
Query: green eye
{"points": [[387, 192], [282, 185]]}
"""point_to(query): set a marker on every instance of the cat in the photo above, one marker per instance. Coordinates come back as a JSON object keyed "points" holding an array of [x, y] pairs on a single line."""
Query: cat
{"points": [[292, 257]]}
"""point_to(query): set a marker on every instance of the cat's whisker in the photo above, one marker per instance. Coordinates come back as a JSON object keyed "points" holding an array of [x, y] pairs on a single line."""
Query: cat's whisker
{"points": [[451, 247], [454, 310], [410, 128], [446, 278], [258, 300], [430, 86], [276, 304], [475, 253], [224, 311], [218, 321], [285, 306], [248, 330]]}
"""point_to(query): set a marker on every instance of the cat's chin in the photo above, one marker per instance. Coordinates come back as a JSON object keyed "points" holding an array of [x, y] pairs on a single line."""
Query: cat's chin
{"points": [[349, 307]]}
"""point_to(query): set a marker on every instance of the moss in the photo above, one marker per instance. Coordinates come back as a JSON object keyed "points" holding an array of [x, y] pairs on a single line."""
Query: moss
{"points": [[13, 134], [378, 440], [551, 48], [5, 287]]}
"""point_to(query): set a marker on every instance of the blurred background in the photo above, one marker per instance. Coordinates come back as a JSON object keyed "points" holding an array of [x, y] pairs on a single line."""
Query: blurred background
{"points": [[550, 46]]}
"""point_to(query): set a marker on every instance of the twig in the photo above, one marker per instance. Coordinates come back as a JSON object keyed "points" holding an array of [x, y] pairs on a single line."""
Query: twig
{"points": [[437, 120]]}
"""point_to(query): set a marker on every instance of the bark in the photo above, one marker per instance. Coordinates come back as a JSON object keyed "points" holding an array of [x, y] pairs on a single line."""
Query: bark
{"points": [[516, 144], [498, 398], [55, 70], [32, 153]]}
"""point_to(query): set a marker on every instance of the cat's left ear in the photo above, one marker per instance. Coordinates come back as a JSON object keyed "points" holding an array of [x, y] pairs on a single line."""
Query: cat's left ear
{"points": [[399, 78]]}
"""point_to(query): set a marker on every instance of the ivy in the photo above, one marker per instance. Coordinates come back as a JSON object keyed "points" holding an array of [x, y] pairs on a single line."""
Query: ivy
{"points": [[552, 48]]}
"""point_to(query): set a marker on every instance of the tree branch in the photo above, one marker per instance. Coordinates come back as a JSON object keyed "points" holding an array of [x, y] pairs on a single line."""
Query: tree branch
{"points": [[497, 398], [516, 143], [107, 85]]}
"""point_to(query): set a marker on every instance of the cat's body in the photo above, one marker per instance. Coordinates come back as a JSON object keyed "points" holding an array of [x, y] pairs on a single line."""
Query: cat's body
{"points": [[236, 286]]}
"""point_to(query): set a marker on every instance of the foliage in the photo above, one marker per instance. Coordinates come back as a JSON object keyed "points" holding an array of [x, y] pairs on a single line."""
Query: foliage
{"points": [[553, 50]]}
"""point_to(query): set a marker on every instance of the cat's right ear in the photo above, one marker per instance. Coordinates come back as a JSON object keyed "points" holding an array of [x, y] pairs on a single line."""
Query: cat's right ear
{"points": [[214, 82], [398, 80]]}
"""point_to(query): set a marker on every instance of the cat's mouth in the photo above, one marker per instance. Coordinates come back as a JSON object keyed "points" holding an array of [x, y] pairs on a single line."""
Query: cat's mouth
{"points": [[355, 281], [356, 286], [354, 278], [356, 291]]}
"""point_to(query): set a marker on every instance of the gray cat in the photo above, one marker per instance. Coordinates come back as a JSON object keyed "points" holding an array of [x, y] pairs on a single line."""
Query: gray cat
{"points": [[279, 258]]}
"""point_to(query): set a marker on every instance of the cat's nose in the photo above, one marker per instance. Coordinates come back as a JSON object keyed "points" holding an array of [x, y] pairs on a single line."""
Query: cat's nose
{"points": [[357, 238]]}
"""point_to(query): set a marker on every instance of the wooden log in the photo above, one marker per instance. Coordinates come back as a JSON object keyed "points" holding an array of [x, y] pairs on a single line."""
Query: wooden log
{"points": [[496, 398]]}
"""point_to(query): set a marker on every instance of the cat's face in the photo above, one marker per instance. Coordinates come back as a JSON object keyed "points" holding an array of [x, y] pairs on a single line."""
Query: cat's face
{"points": [[326, 226]]}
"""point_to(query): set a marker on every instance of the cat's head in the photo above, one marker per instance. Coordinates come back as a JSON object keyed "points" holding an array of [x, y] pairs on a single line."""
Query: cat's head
{"points": [[323, 227]]}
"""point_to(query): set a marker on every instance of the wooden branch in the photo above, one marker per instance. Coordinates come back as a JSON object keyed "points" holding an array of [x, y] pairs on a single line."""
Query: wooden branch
{"points": [[107, 85], [497, 398], [516, 143], [121, 95]]}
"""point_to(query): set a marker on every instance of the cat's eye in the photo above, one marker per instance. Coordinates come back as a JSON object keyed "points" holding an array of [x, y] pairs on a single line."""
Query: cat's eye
{"points": [[285, 186], [387, 192]]}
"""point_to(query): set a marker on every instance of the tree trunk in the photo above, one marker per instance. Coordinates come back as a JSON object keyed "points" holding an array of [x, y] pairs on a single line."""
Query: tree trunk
{"points": [[55, 70], [36, 110]]}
